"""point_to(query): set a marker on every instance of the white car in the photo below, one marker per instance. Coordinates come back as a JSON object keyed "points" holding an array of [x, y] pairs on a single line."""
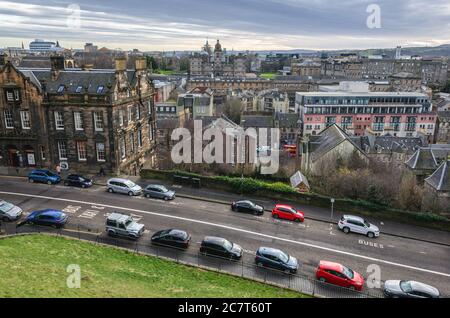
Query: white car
{"points": [[9, 212], [355, 224]]}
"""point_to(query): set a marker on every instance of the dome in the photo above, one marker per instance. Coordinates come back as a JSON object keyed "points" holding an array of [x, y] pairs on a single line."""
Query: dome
{"points": [[218, 46]]}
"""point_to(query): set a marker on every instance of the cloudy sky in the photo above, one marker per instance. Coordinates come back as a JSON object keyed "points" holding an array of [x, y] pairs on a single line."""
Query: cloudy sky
{"points": [[240, 24]]}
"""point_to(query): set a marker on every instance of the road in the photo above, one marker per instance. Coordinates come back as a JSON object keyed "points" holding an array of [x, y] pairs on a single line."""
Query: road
{"points": [[310, 242]]}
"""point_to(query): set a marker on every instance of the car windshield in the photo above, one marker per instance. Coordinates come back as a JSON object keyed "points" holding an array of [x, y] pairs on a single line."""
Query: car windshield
{"points": [[406, 287], [292, 210], [348, 272], [283, 257], [128, 222], [50, 174], [366, 223], [164, 189], [227, 245], [250, 203], [130, 184], [5, 206]]}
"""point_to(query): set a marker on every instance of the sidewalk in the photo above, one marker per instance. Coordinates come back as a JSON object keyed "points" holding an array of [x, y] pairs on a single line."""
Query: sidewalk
{"points": [[311, 212]]}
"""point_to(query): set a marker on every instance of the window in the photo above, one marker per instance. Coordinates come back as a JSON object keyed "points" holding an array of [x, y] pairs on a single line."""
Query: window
{"points": [[138, 112], [16, 95], [139, 137], [98, 121], [121, 118], [9, 122], [123, 153], [81, 148], [59, 120], [12, 95], [130, 113], [9, 96], [61, 89], [78, 119], [100, 89], [150, 132], [149, 105], [42, 152], [25, 118], [78, 90], [132, 142], [101, 155], [62, 150]]}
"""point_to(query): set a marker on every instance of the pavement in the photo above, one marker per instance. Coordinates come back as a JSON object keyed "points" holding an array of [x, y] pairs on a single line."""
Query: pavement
{"points": [[312, 241]]}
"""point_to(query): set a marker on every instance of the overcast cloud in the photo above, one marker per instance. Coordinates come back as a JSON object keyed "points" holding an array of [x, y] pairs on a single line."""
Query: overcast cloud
{"points": [[240, 24]]}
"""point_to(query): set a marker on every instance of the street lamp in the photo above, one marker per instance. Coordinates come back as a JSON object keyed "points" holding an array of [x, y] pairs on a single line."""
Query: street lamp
{"points": [[332, 208]]}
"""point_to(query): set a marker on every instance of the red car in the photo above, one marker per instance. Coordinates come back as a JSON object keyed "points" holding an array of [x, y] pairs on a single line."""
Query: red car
{"points": [[286, 212], [337, 274]]}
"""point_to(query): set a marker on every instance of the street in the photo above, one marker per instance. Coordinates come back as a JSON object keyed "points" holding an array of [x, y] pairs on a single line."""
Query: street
{"points": [[312, 241]]}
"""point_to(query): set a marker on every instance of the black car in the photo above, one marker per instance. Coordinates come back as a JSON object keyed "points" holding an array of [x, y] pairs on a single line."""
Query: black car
{"points": [[75, 180], [172, 238], [276, 259], [220, 247], [247, 206]]}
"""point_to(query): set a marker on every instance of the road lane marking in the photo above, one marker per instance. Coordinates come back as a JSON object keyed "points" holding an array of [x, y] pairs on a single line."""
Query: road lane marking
{"points": [[233, 229]]}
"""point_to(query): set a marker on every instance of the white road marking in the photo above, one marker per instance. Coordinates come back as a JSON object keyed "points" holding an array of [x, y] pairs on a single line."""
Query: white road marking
{"points": [[372, 259]]}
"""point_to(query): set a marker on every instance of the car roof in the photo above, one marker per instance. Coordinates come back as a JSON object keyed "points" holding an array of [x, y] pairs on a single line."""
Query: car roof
{"points": [[51, 212], [331, 266], [269, 250], [40, 170], [424, 288], [352, 217], [156, 186], [177, 232], [245, 201], [214, 240], [118, 180], [284, 206], [118, 217]]}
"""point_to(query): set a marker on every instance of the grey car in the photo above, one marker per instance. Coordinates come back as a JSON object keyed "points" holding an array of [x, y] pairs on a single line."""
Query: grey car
{"points": [[409, 289], [123, 225], [159, 192], [9, 212], [123, 186]]}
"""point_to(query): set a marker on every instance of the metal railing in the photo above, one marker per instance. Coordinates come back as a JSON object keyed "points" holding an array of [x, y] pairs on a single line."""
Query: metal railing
{"points": [[297, 282]]}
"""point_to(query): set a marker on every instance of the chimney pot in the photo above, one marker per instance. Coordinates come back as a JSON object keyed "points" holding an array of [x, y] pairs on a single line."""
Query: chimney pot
{"points": [[121, 64]]}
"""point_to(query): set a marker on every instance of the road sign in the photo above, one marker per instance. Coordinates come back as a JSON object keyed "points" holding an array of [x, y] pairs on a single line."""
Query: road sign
{"points": [[64, 165]]}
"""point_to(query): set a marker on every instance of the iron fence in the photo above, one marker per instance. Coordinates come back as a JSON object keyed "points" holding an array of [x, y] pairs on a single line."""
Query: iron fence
{"points": [[241, 268]]}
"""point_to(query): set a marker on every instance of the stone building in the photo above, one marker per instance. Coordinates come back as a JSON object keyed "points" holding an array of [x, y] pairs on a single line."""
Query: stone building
{"points": [[437, 189], [92, 118], [443, 127]]}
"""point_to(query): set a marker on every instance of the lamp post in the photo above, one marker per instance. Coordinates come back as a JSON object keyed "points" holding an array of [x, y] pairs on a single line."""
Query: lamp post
{"points": [[332, 208]]}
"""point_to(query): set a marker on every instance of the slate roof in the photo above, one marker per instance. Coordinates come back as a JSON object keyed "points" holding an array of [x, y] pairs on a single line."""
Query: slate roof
{"points": [[390, 144], [423, 159], [287, 120], [255, 121], [329, 139], [440, 179]]}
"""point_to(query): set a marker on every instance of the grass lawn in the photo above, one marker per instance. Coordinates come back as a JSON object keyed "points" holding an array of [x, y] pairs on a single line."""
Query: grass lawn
{"points": [[268, 75], [35, 266], [162, 72]]}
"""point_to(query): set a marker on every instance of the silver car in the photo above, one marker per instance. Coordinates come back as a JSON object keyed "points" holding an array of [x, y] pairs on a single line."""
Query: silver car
{"points": [[9, 212], [159, 192], [123, 225], [411, 289], [355, 224], [123, 186]]}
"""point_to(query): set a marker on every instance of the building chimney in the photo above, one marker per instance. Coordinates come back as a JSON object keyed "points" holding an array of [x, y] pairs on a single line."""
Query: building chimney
{"points": [[3, 59], [141, 63], [121, 72], [57, 65], [121, 64]]}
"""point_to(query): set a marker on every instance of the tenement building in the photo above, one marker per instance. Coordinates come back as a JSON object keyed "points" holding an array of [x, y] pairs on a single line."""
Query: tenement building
{"points": [[84, 118], [397, 114]]}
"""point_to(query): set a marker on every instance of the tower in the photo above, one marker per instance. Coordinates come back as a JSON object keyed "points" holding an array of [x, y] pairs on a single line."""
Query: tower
{"points": [[398, 53]]}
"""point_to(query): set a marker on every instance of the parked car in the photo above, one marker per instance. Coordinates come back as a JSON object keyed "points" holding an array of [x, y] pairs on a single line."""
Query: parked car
{"points": [[220, 247], [409, 289], [159, 192], [9, 212], [49, 217], [287, 212], [172, 238], [123, 186], [44, 176], [123, 225], [350, 223], [247, 206], [337, 274], [75, 180], [276, 259]]}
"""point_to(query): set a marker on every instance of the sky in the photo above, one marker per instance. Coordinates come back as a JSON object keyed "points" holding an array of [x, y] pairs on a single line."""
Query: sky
{"points": [[167, 25]]}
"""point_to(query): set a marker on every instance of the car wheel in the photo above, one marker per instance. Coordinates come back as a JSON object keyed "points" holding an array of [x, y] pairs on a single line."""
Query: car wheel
{"points": [[166, 199], [147, 196], [275, 216], [111, 233], [83, 186], [352, 288], [322, 279], [297, 221], [130, 194], [66, 184], [287, 271], [49, 182], [110, 190], [346, 230], [370, 235], [259, 264], [30, 180]]}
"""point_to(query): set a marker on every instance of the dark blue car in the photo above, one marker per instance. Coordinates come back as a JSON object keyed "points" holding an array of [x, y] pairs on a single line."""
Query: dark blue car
{"points": [[75, 180], [44, 176], [47, 217], [276, 259]]}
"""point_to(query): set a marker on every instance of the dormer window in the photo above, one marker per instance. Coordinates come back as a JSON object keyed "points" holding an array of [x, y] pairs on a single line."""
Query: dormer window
{"points": [[78, 90], [61, 89], [100, 89], [12, 95]]}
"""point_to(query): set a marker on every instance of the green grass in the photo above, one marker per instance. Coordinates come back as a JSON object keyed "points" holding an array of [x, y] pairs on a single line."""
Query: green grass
{"points": [[35, 266], [163, 72], [268, 75]]}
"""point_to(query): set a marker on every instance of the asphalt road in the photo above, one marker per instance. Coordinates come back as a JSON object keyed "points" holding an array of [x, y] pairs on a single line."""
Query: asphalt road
{"points": [[310, 242]]}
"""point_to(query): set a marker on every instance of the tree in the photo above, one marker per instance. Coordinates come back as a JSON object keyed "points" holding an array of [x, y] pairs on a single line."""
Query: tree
{"points": [[151, 63], [446, 88], [233, 109]]}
